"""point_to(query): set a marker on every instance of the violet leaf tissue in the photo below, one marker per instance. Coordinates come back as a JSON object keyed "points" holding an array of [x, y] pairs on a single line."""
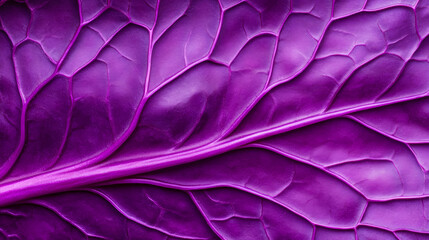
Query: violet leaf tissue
{"points": [[214, 119]]}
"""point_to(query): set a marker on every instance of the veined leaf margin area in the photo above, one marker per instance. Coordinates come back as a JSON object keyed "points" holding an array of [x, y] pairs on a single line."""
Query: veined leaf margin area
{"points": [[94, 171]]}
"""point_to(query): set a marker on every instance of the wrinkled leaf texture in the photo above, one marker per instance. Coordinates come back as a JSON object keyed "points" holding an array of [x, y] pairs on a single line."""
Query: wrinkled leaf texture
{"points": [[214, 119]]}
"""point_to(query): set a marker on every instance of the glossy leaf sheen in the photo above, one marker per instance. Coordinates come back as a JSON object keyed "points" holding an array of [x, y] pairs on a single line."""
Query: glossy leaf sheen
{"points": [[214, 119]]}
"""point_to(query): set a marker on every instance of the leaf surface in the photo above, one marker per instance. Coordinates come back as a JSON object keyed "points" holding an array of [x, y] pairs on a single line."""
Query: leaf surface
{"points": [[207, 119]]}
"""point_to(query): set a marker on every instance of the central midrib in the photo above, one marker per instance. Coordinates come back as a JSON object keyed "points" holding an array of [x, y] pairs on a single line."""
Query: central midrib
{"points": [[80, 175]]}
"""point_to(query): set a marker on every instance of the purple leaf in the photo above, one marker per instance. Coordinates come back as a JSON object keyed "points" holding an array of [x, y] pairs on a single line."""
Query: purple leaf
{"points": [[205, 119]]}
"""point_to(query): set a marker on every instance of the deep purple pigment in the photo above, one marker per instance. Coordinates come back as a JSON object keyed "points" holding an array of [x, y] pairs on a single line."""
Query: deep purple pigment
{"points": [[256, 119]]}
